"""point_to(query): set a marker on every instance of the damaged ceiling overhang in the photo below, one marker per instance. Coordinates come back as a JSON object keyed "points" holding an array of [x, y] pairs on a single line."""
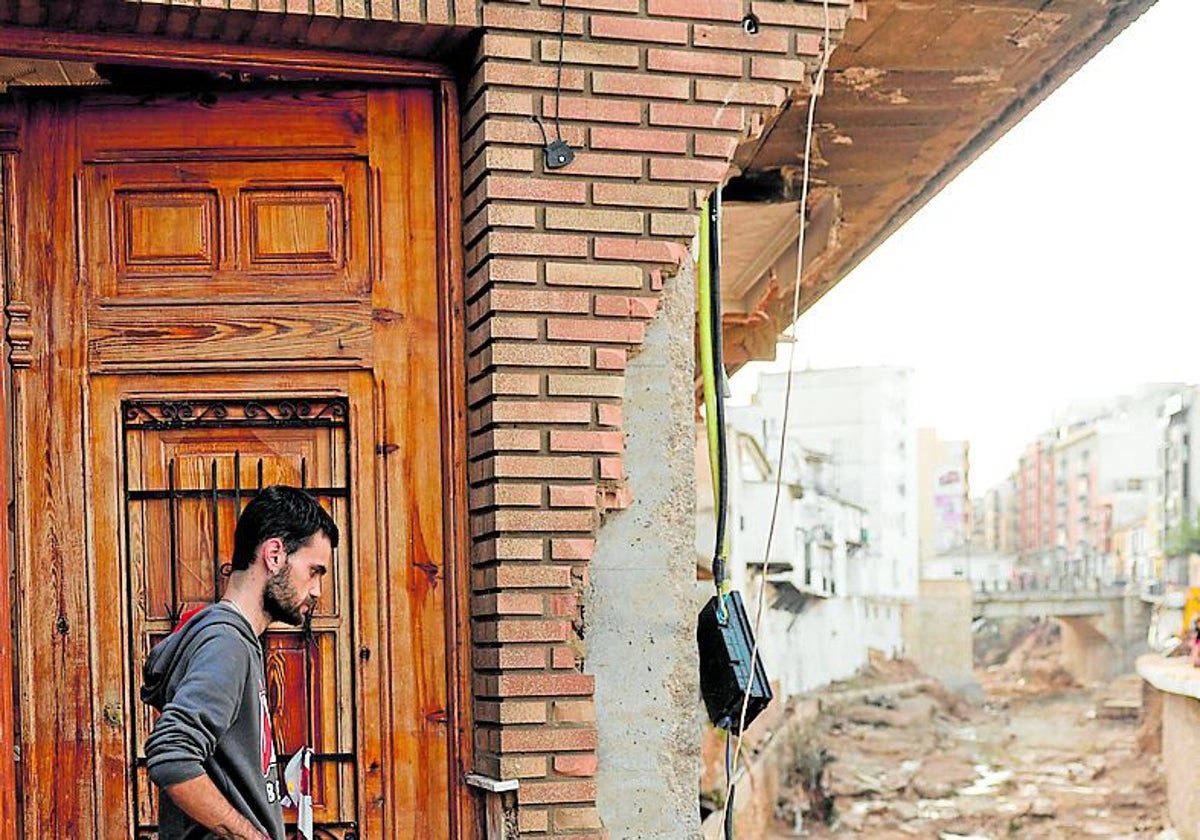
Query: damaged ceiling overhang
{"points": [[916, 90]]}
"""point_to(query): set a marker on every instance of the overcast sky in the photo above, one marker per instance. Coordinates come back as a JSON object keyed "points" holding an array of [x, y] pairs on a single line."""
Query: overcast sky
{"points": [[1063, 263]]}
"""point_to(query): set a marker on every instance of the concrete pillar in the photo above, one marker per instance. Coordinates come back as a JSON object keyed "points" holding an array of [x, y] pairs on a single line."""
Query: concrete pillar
{"points": [[1088, 655], [641, 608], [937, 631]]}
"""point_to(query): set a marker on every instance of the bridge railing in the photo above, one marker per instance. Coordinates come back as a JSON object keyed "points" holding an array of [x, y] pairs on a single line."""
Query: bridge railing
{"points": [[1037, 583]]}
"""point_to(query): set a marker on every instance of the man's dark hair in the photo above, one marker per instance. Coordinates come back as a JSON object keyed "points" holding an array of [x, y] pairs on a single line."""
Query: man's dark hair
{"points": [[289, 513]]}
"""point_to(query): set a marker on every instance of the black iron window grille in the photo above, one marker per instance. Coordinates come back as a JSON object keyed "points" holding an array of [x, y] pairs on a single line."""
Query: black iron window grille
{"points": [[163, 489]]}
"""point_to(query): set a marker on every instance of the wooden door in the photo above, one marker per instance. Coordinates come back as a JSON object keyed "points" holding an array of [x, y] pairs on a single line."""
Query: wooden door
{"points": [[223, 291]]}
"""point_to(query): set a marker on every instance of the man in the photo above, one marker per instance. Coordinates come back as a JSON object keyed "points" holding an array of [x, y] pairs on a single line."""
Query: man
{"points": [[212, 751]]}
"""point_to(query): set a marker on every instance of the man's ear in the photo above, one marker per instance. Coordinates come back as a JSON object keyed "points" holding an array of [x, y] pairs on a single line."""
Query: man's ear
{"points": [[273, 553]]}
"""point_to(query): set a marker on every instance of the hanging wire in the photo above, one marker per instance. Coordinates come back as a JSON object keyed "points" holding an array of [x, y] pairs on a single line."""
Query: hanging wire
{"points": [[818, 88]]}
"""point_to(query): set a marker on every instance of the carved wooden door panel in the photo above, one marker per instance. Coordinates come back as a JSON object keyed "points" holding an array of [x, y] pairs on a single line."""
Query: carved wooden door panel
{"points": [[252, 294]]}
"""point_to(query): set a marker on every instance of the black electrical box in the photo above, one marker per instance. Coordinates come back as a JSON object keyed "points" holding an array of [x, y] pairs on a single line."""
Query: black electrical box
{"points": [[725, 673]]}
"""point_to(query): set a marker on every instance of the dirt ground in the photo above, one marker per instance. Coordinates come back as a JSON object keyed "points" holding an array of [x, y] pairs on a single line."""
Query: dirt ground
{"points": [[1034, 757]]}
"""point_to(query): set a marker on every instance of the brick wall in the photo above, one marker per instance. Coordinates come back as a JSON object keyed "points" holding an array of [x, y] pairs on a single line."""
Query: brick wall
{"points": [[563, 271]]}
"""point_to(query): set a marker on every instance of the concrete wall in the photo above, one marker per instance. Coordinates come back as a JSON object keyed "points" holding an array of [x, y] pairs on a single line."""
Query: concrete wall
{"points": [[1180, 746], [937, 631], [828, 641], [641, 611]]}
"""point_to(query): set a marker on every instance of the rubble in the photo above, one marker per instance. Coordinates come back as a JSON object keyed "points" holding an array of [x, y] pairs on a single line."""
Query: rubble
{"points": [[1037, 757]]}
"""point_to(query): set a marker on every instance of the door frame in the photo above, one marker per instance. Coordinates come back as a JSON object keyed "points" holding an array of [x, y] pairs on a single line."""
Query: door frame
{"points": [[296, 64]]}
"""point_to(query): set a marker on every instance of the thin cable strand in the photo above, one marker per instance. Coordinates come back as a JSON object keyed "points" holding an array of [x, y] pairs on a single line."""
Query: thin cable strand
{"points": [[818, 88]]}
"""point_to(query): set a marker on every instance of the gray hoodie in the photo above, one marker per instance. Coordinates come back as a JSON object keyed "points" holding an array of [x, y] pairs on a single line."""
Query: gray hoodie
{"points": [[207, 680]]}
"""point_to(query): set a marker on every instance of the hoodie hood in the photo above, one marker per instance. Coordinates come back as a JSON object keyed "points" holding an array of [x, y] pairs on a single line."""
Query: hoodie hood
{"points": [[177, 647]]}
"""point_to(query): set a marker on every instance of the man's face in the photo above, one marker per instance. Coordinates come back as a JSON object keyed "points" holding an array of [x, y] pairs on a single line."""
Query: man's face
{"points": [[293, 590]]}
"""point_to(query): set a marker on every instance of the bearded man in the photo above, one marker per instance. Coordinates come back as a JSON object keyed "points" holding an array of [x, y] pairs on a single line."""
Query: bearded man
{"points": [[212, 751]]}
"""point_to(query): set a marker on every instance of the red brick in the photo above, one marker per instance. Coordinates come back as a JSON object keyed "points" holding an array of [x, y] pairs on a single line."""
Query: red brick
{"points": [[504, 384], [593, 110], [639, 29], [506, 603], [583, 385], [551, 792], [586, 820], [533, 820], [524, 767], [499, 215], [573, 495], [544, 739], [745, 93], [505, 495], [505, 440], [519, 132], [586, 274], [519, 630], [572, 549], [592, 52], [604, 5], [797, 15], [537, 355], [494, 45], [506, 548], [716, 145], [521, 300], [496, 16], [513, 711], [638, 139], [609, 415], [638, 250], [581, 329], [611, 358], [688, 169], [514, 657], [542, 411], [640, 85], [562, 657], [586, 441], [612, 468], [783, 69], [576, 765], [544, 685], [501, 270], [522, 75], [512, 576], [616, 497], [544, 520], [574, 711], [610, 221], [528, 244], [696, 116], [693, 63], [639, 195], [535, 189], [608, 165], [673, 224], [735, 38], [809, 43], [540, 466], [493, 103], [700, 9]]}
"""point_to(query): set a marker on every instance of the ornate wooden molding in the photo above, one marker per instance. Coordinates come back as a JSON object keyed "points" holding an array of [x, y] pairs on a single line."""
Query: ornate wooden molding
{"points": [[19, 334]]}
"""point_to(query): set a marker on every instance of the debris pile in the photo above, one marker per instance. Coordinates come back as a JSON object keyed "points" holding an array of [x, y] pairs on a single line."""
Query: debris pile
{"points": [[919, 762], [1032, 667]]}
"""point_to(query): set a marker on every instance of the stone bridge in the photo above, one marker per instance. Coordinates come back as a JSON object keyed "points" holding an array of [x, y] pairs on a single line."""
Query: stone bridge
{"points": [[1103, 626]]}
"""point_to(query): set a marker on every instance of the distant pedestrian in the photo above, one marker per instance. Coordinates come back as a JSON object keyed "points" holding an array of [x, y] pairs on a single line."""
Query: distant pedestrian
{"points": [[1194, 643], [212, 751]]}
